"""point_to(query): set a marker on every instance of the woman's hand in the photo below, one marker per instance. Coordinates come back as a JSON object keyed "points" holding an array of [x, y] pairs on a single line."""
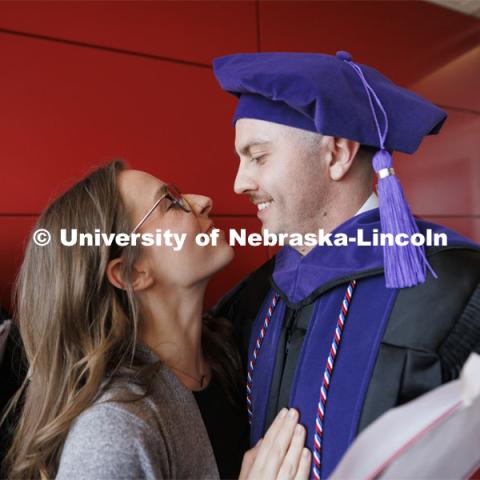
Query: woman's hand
{"points": [[280, 454]]}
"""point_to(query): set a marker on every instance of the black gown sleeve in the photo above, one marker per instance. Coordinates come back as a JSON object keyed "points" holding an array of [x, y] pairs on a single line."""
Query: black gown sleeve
{"points": [[432, 330], [463, 339], [241, 305]]}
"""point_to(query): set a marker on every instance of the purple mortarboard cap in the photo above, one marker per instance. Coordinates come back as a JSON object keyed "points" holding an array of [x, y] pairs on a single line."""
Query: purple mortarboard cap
{"points": [[323, 93], [332, 95]]}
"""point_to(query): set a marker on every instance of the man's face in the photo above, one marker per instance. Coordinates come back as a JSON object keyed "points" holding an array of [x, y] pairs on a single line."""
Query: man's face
{"points": [[282, 171]]}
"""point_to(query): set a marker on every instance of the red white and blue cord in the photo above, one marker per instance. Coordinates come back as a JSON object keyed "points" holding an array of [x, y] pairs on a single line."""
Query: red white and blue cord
{"points": [[322, 403], [256, 350], [337, 338]]}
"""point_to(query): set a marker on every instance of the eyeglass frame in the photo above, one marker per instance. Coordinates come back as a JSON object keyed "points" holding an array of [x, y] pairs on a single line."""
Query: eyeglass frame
{"points": [[173, 193]]}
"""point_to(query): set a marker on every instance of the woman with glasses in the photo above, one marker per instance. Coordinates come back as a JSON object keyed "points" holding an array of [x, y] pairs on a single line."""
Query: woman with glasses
{"points": [[126, 378]]}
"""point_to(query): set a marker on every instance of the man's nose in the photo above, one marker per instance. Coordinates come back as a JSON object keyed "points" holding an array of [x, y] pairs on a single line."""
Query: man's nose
{"points": [[244, 183], [200, 204]]}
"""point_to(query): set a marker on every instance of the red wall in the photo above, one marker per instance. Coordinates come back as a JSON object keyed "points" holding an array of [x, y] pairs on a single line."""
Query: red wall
{"points": [[84, 82]]}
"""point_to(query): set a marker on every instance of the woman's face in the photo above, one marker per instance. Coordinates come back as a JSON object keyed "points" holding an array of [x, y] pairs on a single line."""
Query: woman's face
{"points": [[171, 265]]}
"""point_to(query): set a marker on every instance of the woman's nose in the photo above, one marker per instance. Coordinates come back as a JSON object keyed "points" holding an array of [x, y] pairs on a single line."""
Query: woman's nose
{"points": [[200, 204]]}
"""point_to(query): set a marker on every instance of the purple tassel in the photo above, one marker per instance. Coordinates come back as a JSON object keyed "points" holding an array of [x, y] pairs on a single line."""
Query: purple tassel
{"points": [[405, 266]]}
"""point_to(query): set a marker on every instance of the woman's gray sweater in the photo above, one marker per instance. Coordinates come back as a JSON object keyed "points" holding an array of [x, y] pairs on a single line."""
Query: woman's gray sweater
{"points": [[160, 436]]}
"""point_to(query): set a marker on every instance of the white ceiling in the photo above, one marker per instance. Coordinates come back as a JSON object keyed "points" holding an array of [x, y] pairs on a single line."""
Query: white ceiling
{"points": [[468, 7]]}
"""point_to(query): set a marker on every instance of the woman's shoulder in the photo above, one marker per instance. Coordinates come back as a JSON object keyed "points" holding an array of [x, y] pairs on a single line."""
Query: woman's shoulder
{"points": [[125, 408], [109, 419], [126, 404], [114, 439], [117, 437]]}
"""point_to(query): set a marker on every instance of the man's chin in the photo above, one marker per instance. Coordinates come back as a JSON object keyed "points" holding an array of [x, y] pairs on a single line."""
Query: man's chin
{"points": [[271, 225], [267, 227]]}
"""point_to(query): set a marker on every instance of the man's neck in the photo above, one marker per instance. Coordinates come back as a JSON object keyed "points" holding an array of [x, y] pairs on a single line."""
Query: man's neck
{"points": [[369, 204]]}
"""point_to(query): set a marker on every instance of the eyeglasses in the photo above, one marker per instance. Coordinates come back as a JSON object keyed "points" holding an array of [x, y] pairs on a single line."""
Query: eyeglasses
{"points": [[174, 195]]}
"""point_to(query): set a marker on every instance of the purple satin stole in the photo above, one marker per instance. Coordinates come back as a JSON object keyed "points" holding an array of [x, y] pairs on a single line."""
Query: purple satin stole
{"points": [[322, 277]]}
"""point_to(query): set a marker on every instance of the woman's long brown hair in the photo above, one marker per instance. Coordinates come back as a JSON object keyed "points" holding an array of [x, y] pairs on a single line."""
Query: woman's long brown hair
{"points": [[77, 329]]}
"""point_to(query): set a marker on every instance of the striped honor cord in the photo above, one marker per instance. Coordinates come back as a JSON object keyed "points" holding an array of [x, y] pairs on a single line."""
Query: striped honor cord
{"points": [[256, 351], [319, 422]]}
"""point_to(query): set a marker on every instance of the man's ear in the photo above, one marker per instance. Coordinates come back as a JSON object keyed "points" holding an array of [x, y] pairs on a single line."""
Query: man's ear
{"points": [[141, 279], [342, 154]]}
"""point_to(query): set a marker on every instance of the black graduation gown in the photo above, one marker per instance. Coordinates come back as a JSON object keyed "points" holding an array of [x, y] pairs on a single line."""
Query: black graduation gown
{"points": [[431, 330]]}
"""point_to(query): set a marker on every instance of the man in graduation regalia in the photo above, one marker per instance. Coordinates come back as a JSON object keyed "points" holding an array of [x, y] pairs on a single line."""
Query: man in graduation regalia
{"points": [[341, 333]]}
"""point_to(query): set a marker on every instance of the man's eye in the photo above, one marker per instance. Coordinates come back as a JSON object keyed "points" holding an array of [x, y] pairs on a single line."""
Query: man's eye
{"points": [[258, 159]]}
